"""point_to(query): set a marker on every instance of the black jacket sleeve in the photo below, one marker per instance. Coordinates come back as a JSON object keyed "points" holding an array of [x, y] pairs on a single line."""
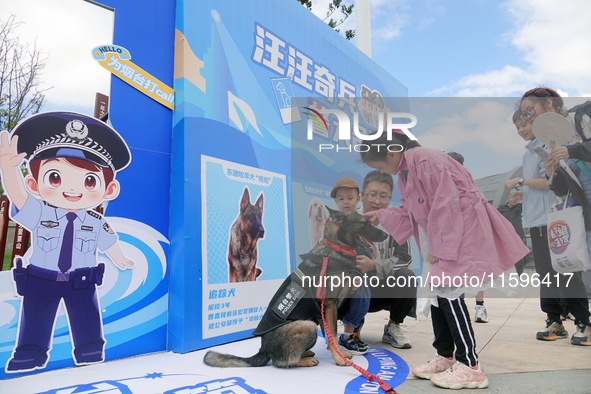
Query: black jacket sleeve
{"points": [[580, 150], [559, 183]]}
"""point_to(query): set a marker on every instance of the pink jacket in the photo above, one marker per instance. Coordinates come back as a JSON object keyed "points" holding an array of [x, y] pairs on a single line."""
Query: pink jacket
{"points": [[466, 233]]}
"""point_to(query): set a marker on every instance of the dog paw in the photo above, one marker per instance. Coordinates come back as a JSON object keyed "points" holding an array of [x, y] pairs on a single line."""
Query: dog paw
{"points": [[346, 354], [308, 362], [308, 353], [339, 360]]}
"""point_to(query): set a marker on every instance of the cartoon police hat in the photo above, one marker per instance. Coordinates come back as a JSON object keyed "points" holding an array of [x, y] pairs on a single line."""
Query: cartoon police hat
{"points": [[69, 134]]}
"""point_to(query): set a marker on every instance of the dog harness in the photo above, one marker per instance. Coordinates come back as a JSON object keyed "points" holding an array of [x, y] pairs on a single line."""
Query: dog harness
{"points": [[294, 301]]}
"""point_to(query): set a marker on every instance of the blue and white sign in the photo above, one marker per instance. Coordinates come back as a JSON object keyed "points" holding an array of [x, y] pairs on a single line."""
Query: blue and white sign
{"points": [[245, 72]]}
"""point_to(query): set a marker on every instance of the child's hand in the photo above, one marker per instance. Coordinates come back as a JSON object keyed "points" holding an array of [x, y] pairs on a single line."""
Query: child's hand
{"points": [[432, 259], [9, 156], [124, 264], [365, 264], [372, 216], [511, 183], [551, 165], [558, 153]]}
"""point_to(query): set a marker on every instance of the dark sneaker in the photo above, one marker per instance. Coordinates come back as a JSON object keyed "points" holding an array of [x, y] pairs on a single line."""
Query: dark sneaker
{"points": [[583, 335], [27, 358], [354, 344], [394, 335], [553, 331], [22, 364]]}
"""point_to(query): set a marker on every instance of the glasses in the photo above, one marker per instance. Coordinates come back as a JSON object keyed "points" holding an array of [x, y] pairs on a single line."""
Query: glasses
{"points": [[381, 197], [527, 114]]}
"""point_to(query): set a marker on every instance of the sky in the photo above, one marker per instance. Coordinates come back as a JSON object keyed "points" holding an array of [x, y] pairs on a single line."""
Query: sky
{"points": [[477, 49], [65, 29], [436, 48], [484, 47]]}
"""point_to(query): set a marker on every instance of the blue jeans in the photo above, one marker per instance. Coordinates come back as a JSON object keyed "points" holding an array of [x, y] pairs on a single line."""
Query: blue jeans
{"points": [[358, 307]]}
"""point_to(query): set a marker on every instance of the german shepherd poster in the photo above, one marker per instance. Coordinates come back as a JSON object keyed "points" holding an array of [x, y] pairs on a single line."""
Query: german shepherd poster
{"points": [[245, 233], [289, 330]]}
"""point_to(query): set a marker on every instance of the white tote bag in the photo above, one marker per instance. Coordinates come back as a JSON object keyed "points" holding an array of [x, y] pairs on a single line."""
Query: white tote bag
{"points": [[567, 238]]}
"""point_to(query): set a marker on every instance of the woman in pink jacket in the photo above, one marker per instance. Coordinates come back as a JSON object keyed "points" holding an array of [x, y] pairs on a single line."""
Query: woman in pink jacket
{"points": [[469, 244]]}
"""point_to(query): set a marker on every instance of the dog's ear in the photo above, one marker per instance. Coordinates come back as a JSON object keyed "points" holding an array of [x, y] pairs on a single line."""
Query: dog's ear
{"points": [[245, 201], [310, 209], [334, 214], [259, 202]]}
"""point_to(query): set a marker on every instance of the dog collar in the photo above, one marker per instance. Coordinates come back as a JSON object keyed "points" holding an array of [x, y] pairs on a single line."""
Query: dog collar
{"points": [[340, 248]]}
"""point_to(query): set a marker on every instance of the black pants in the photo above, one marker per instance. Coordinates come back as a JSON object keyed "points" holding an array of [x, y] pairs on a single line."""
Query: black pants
{"points": [[399, 300], [555, 294], [520, 265], [453, 330], [398, 295]]}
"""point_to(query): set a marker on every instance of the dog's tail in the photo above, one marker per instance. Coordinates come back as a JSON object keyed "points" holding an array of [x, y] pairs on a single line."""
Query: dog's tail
{"points": [[215, 359]]}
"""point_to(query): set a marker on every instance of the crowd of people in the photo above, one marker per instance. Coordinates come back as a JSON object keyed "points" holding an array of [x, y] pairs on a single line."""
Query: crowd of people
{"points": [[540, 177], [461, 235]]}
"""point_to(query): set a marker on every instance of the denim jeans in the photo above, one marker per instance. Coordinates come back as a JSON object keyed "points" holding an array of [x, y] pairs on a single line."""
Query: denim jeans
{"points": [[358, 307]]}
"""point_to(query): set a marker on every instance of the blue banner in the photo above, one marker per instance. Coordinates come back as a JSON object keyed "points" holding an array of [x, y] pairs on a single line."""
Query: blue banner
{"points": [[245, 72]]}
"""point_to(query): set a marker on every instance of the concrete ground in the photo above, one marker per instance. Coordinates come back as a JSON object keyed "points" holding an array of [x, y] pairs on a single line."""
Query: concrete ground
{"points": [[514, 361]]}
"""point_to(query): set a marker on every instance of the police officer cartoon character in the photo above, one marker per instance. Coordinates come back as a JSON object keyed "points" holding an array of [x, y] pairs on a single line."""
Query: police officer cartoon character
{"points": [[72, 159]]}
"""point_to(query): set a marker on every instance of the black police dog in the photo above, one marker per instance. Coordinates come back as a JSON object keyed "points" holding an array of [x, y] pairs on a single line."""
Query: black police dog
{"points": [[288, 329], [245, 233]]}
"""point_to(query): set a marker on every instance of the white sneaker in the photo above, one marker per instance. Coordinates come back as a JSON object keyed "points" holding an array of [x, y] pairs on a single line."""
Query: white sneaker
{"points": [[461, 376], [481, 314], [436, 365], [394, 335]]}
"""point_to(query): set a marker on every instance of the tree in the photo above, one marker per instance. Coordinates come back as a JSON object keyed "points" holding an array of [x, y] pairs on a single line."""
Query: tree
{"points": [[21, 66], [344, 9]]}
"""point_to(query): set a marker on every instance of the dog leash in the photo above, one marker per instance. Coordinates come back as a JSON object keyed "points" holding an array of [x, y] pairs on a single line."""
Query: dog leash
{"points": [[348, 250], [369, 376]]}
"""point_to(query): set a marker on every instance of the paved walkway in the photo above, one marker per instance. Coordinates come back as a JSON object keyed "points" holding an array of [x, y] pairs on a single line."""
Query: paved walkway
{"points": [[513, 359]]}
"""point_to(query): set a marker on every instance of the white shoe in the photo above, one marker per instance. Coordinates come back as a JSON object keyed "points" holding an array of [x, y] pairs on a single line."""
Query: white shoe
{"points": [[461, 376], [394, 335], [481, 314], [434, 366]]}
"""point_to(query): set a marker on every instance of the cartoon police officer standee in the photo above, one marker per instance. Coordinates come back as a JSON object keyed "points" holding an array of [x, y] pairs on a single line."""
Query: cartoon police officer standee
{"points": [[73, 159]]}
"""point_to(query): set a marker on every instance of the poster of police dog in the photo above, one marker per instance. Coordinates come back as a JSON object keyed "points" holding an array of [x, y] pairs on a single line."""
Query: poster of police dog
{"points": [[245, 238]]}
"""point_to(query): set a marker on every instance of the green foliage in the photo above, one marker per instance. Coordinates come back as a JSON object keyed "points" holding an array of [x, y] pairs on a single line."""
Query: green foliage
{"points": [[6, 263], [344, 11]]}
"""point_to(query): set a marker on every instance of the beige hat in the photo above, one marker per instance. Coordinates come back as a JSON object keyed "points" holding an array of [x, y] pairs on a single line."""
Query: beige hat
{"points": [[344, 182]]}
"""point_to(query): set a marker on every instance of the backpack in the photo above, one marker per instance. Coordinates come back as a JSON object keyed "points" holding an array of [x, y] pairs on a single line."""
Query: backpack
{"points": [[580, 111]]}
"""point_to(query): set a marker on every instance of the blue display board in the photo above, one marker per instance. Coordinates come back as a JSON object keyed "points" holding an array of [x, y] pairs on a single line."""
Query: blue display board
{"points": [[246, 71], [219, 168]]}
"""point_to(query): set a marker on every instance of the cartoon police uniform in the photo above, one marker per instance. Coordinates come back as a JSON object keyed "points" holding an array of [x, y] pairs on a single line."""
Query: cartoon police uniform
{"points": [[63, 262]]}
